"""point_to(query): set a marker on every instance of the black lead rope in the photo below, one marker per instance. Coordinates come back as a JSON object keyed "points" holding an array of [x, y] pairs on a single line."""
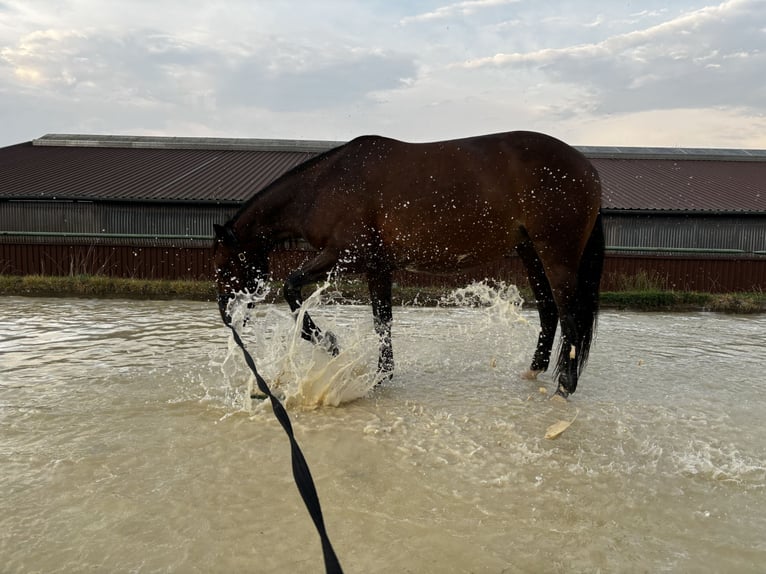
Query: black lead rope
{"points": [[301, 472]]}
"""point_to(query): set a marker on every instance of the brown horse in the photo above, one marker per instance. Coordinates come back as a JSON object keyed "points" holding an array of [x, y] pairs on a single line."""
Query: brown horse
{"points": [[375, 205]]}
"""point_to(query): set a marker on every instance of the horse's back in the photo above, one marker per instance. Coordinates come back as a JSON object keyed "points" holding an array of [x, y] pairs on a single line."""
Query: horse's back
{"points": [[450, 204], [526, 144], [511, 173], [500, 160]]}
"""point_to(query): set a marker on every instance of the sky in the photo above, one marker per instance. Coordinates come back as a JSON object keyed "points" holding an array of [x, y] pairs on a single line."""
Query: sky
{"points": [[678, 73]]}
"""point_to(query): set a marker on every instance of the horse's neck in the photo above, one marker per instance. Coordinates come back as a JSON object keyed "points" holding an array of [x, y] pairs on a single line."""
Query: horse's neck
{"points": [[277, 209]]}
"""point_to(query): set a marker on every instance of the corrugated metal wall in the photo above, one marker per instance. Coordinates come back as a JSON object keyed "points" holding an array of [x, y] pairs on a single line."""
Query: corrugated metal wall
{"points": [[174, 221], [144, 262], [746, 234], [173, 242], [694, 273], [710, 274]]}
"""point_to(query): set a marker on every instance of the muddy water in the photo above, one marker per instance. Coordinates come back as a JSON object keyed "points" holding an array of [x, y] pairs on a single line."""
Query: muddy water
{"points": [[128, 444]]}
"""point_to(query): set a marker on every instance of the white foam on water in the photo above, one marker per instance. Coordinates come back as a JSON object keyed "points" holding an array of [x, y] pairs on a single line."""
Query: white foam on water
{"points": [[302, 375], [306, 376], [501, 335], [234, 388], [501, 301], [719, 462], [484, 341]]}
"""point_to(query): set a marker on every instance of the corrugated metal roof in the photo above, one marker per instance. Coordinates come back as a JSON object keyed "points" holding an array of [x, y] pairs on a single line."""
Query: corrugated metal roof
{"points": [[683, 184], [81, 167], [139, 174]]}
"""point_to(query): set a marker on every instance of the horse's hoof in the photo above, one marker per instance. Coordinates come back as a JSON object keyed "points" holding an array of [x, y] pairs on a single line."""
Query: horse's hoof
{"points": [[567, 384], [530, 375], [561, 393], [330, 342], [386, 368]]}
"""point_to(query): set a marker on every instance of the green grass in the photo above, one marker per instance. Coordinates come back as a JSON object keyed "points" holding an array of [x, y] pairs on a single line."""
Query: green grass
{"points": [[641, 294], [101, 286], [655, 300]]}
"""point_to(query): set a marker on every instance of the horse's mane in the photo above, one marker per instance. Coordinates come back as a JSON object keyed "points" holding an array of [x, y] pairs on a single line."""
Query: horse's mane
{"points": [[301, 167]]}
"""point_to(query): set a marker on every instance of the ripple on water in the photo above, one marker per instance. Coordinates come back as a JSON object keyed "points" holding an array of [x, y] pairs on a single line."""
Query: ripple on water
{"points": [[129, 442]]}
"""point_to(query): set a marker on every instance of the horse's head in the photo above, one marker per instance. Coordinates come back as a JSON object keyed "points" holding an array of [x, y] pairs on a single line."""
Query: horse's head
{"points": [[239, 267]]}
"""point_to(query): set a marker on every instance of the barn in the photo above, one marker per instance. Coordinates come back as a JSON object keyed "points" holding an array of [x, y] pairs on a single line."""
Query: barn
{"points": [[691, 219], [695, 219]]}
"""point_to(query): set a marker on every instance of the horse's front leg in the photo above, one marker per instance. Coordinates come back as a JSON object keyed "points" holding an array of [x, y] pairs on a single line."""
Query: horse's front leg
{"points": [[379, 283], [310, 273]]}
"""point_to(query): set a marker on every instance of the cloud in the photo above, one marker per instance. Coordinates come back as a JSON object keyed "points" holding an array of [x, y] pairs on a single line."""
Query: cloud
{"points": [[332, 70], [457, 9], [78, 63], [708, 57], [147, 66], [302, 78]]}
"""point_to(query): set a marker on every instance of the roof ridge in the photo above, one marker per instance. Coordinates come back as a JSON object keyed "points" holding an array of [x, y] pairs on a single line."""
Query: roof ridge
{"points": [[201, 143], [318, 146], [673, 153]]}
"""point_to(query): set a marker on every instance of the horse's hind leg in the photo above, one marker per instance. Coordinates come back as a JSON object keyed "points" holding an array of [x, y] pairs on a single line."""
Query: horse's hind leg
{"points": [[562, 288], [546, 308], [379, 283], [309, 273], [567, 367], [575, 288]]}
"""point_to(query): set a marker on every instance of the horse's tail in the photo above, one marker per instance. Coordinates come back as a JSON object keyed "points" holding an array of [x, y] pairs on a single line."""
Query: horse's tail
{"points": [[588, 290]]}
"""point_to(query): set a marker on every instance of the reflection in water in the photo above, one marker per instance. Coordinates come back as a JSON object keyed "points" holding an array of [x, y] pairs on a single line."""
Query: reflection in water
{"points": [[129, 443]]}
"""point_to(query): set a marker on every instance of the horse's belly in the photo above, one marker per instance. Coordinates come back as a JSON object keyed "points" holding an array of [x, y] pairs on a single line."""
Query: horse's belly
{"points": [[432, 268], [450, 260], [453, 244]]}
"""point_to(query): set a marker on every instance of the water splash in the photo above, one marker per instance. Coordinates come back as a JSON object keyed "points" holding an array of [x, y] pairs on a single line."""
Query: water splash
{"points": [[300, 374], [725, 463], [233, 388], [501, 301], [305, 376]]}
